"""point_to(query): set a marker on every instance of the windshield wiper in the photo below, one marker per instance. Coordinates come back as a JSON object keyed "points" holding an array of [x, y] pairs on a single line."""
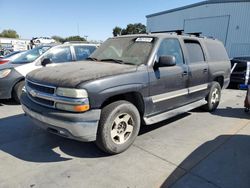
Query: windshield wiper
{"points": [[114, 60], [92, 59]]}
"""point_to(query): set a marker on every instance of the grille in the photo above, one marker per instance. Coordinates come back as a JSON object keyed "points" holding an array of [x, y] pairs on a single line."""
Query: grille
{"points": [[41, 88], [42, 101], [35, 91]]}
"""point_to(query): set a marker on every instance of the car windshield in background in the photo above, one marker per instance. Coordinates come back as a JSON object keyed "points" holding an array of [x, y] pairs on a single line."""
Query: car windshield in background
{"points": [[31, 55], [127, 50]]}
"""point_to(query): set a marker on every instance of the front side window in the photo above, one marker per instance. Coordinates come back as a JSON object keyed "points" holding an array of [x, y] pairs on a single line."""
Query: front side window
{"points": [[171, 47], [59, 55], [195, 51], [83, 52], [127, 50]]}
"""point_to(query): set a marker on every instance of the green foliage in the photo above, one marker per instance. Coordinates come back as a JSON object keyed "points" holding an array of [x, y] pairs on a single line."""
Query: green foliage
{"points": [[9, 33], [58, 39], [136, 28], [74, 38], [117, 31]]}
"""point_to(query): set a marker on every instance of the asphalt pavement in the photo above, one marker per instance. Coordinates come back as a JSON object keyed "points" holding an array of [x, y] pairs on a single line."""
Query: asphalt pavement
{"points": [[194, 150]]}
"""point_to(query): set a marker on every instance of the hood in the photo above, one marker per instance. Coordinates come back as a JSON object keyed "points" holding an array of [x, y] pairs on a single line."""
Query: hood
{"points": [[8, 66], [72, 74]]}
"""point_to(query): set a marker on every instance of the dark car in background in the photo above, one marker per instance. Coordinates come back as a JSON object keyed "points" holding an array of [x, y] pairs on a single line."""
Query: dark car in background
{"points": [[10, 57], [240, 71]]}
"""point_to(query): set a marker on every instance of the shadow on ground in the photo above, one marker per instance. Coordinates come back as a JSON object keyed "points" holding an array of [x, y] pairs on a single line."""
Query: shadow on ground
{"points": [[8, 102], [21, 139], [222, 162]]}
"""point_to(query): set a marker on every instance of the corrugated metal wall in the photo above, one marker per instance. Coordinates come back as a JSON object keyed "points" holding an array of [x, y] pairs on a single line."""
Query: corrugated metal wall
{"points": [[229, 22]]}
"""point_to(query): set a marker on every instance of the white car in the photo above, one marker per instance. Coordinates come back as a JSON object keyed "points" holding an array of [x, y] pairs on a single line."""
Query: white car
{"points": [[43, 40]]}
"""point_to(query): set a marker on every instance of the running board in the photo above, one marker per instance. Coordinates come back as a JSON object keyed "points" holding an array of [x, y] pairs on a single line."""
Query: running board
{"points": [[174, 112]]}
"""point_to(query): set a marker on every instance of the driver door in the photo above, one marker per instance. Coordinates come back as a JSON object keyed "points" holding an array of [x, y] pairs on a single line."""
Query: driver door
{"points": [[169, 85]]}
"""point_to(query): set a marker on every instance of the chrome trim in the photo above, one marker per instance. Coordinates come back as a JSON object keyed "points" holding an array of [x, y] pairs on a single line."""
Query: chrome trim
{"points": [[197, 88], [169, 95], [54, 98], [52, 87], [178, 93]]}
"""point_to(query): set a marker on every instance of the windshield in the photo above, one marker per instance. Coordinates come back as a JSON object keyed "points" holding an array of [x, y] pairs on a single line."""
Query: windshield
{"points": [[31, 55], [130, 50]]}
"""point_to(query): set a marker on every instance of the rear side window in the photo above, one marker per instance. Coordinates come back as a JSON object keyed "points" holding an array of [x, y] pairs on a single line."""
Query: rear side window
{"points": [[60, 55], [195, 51], [83, 52], [216, 51]]}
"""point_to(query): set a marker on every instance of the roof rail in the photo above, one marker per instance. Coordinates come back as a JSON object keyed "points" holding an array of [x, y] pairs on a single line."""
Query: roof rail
{"points": [[178, 32], [73, 42]]}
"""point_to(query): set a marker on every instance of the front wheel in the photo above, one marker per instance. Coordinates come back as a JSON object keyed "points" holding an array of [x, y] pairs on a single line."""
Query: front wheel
{"points": [[213, 98], [18, 91], [119, 125]]}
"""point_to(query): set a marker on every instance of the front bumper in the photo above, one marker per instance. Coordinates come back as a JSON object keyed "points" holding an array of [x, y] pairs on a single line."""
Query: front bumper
{"points": [[77, 126]]}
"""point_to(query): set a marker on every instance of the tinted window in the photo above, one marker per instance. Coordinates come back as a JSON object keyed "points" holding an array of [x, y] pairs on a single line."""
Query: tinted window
{"points": [[194, 51], [216, 51], [83, 52], [59, 55], [171, 47]]}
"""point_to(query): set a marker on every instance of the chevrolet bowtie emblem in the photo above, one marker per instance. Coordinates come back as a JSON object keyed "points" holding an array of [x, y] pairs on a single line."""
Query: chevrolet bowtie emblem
{"points": [[33, 93]]}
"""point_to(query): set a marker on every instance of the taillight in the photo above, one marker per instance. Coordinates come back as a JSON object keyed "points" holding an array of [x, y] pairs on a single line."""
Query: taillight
{"points": [[4, 61]]}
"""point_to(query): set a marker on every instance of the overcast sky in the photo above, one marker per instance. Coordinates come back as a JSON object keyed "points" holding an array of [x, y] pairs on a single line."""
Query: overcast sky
{"points": [[92, 18]]}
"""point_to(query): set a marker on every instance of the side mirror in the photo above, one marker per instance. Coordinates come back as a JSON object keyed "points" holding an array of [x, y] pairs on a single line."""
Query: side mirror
{"points": [[45, 62], [166, 61]]}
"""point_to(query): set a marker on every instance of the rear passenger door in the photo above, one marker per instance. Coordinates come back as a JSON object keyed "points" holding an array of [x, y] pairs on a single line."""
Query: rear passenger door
{"points": [[198, 70]]}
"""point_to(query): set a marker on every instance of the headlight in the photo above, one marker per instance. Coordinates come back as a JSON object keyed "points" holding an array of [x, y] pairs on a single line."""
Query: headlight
{"points": [[4, 73], [73, 108], [72, 93]]}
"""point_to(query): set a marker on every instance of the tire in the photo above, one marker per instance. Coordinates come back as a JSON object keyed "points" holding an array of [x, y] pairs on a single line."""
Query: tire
{"points": [[118, 127], [213, 98], [18, 91], [38, 41]]}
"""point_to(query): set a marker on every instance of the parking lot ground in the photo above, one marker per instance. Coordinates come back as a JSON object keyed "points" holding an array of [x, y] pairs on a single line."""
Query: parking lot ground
{"points": [[195, 150]]}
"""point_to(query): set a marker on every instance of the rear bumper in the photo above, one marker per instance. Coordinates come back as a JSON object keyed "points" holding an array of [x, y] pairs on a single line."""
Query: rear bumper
{"points": [[76, 126]]}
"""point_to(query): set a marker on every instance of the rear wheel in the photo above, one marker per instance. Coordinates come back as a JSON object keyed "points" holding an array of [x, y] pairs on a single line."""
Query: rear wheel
{"points": [[119, 125], [213, 98], [18, 91]]}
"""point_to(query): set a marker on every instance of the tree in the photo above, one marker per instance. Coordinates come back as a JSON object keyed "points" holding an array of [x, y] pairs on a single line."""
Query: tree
{"points": [[58, 39], [117, 31], [75, 38], [136, 28], [9, 33]]}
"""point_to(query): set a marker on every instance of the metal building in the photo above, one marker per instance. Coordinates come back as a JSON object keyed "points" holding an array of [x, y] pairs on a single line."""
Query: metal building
{"points": [[226, 20]]}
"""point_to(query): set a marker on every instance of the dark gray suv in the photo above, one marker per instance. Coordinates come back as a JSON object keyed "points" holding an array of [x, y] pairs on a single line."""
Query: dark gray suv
{"points": [[127, 82]]}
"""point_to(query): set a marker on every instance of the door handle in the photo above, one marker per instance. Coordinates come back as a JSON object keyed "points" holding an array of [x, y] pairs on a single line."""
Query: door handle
{"points": [[185, 73], [205, 70]]}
